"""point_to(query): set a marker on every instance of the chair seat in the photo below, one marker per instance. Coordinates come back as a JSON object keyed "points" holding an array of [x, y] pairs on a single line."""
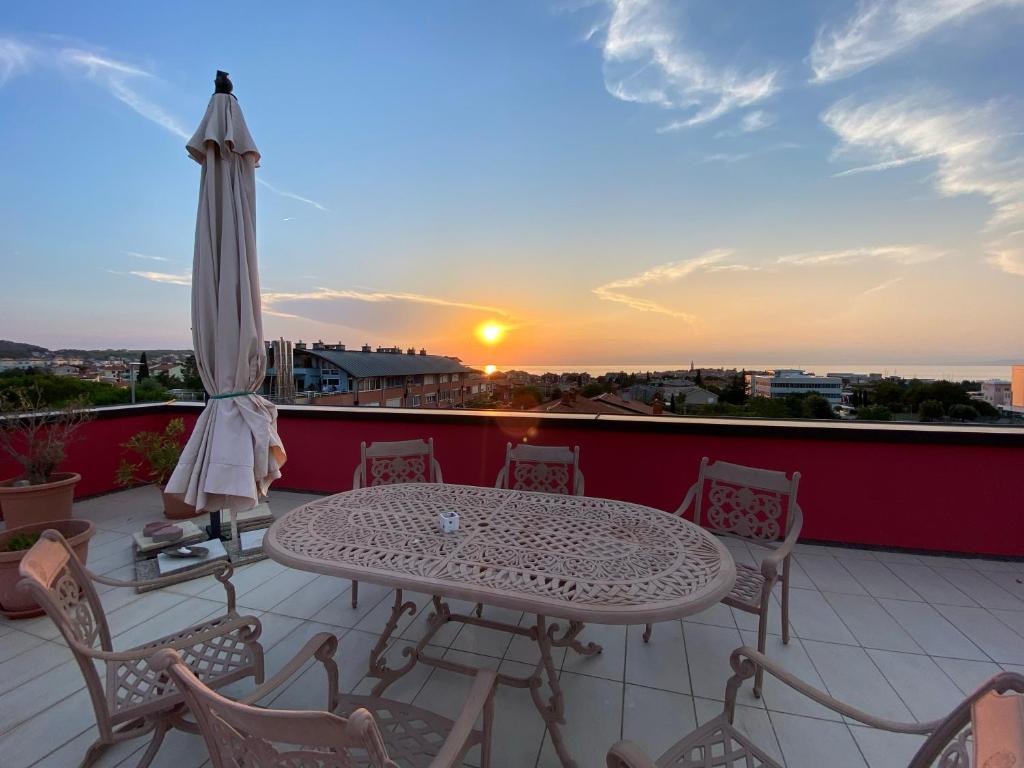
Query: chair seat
{"points": [[413, 736], [217, 660], [746, 592], [716, 744]]}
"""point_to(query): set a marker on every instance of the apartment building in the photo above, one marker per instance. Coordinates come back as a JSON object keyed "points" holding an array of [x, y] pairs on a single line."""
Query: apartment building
{"points": [[388, 377], [794, 381]]}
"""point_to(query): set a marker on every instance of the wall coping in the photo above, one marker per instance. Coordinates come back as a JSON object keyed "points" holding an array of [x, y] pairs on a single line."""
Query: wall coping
{"points": [[798, 429]]}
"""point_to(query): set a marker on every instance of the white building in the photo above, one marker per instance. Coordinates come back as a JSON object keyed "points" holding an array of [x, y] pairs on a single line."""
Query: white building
{"points": [[793, 381], [996, 392]]}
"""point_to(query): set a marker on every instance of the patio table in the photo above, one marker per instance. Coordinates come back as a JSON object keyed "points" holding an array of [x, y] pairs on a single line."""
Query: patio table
{"points": [[576, 558]]}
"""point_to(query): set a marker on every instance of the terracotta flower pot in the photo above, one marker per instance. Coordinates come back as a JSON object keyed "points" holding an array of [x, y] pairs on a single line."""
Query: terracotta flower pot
{"points": [[176, 509], [15, 604], [29, 504]]}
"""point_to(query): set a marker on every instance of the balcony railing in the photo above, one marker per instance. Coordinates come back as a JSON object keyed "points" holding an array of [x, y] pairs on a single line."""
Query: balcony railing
{"points": [[904, 486]]}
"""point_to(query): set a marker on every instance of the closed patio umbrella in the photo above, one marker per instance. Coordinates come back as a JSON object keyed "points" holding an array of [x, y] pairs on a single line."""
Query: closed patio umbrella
{"points": [[234, 452]]}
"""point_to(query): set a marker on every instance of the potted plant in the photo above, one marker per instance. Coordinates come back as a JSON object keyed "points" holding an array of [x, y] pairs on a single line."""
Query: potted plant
{"points": [[158, 453], [15, 542], [36, 436]]}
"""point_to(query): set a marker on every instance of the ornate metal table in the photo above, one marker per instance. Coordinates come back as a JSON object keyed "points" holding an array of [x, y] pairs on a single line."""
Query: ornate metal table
{"points": [[575, 558]]}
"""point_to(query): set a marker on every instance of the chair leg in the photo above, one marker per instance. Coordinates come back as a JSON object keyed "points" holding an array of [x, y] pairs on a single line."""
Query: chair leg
{"points": [[762, 642], [785, 601], [485, 748], [355, 595], [647, 632], [92, 754], [154, 745]]}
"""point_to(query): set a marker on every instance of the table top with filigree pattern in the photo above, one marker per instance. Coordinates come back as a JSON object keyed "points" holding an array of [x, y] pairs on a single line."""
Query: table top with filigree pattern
{"points": [[572, 557]]}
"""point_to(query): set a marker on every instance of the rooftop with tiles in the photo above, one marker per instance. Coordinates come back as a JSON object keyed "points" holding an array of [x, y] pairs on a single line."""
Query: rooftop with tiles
{"points": [[901, 634]]}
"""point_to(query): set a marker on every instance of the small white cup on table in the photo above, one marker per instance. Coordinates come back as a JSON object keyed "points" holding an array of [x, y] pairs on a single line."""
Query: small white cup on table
{"points": [[448, 521]]}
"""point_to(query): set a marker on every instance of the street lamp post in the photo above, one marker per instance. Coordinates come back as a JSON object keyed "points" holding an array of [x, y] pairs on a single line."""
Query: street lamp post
{"points": [[133, 372]]}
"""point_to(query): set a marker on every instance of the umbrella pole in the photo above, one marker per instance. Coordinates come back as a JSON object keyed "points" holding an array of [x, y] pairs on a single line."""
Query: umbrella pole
{"points": [[214, 528]]}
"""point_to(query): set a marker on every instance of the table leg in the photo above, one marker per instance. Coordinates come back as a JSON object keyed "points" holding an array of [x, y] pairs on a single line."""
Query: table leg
{"points": [[378, 662], [569, 639], [552, 710]]}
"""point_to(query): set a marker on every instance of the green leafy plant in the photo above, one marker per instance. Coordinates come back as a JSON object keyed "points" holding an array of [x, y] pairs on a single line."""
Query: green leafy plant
{"points": [[21, 541], [36, 435], [159, 453]]}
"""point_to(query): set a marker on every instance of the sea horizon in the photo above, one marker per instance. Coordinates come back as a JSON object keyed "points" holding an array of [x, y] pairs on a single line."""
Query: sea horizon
{"points": [[948, 371]]}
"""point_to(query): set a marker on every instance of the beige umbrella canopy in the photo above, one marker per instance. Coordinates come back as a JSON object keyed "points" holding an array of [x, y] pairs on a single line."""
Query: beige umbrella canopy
{"points": [[234, 452]]}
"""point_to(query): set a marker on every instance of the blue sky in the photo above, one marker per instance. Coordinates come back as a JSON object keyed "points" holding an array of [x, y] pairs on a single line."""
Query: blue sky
{"points": [[612, 181]]}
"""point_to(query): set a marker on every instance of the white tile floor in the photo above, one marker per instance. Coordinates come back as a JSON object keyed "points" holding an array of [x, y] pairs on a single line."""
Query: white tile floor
{"points": [[900, 635]]}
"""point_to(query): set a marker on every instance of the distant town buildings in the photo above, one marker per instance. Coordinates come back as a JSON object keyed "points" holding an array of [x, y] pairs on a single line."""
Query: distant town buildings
{"points": [[605, 403], [386, 377], [682, 391], [794, 381], [996, 392]]}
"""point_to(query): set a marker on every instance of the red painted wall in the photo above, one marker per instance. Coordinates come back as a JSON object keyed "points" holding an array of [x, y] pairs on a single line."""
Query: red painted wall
{"points": [[96, 452], [919, 495]]}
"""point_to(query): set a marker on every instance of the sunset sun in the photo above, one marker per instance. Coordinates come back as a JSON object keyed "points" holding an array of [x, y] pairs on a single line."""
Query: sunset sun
{"points": [[490, 332]]}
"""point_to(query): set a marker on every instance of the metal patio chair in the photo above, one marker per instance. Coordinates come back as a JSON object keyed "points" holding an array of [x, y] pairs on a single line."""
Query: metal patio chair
{"points": [[545, 468], [389, 463], [129, 697], [381, 733], [754, 505], [985, 730]]}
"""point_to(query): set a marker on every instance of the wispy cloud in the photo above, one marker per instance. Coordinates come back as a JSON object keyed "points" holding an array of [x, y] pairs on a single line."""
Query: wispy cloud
{"points": [[906, 255], [120, 78], [185, 278], [15, 58], [146, 256], [726, 157], [736, 157], [1006, 253], [978, 150], [291, 195], [883, 286], [757, 120], [1008, 260], [646, 61], [123, 80], [271, 298], [881, 28], [620, 291]]}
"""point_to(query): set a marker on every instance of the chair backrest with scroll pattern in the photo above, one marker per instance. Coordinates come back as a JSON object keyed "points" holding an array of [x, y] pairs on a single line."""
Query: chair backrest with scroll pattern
{"points": [[58, 581], [52, 573], [747, 502], [403, 461], [544, 468], [986, 730], [239, 735]]}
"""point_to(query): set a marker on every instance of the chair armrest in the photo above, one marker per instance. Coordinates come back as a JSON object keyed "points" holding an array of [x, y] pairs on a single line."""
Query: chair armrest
{"points": [[321, 646], [627, 754], [357, 477], [770, 562], [479, 697], [745, 662], [438, 478], [691, 494], [500, 481], [221, 570]]}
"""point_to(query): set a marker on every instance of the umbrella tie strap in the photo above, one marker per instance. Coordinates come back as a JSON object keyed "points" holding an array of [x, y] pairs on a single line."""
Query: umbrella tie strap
{"points": [[226, 395]]}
